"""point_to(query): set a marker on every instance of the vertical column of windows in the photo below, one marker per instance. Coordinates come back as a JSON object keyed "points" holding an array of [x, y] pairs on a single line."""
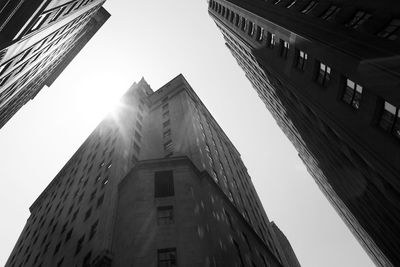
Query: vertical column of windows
{"points": [[168, 144]]}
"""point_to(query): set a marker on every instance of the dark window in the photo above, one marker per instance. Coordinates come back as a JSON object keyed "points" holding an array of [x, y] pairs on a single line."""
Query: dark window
{"points": [[168, 146], [167, 257], [86, 260], [79, 244], [239, 253], [165, 106], [60, 262], [100, 200], [259, 34], [390, 119], [251, 28], [390, 31], [104, 182], [165, 114], [324, 74], [163, 184], [352, 94], [165, 215], [93, 230], [243, 24], [359, 18], [167, 134], [166, 123], [138, 137], [140, 117], [309, 7], [136, 147], [284, 48], [87, 214], [330, 13], [138, 126], [68, 237], [228, 217], [57, 248], [301, 59], [75, 214]]}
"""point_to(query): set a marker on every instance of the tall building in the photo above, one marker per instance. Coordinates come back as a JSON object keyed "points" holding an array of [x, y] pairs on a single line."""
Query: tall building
{"points": [[157, 183], [328, 71], [38, 39], [285, 245]]}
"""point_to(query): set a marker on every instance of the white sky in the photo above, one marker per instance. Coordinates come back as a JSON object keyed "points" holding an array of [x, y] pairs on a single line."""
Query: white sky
{"points": [[159, 40]]}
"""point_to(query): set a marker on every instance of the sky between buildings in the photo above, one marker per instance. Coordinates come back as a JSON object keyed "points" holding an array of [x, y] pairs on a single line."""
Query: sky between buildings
{"points": [[159, 40]]}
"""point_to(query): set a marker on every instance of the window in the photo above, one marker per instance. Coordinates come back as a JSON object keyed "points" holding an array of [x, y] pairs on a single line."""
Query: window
{"points": [[168, 146], [237, 20], [309, 7], [284, 48], [251, 28], [60, 262], [136, 147], [390, 119], [68, 237], [167, 257], [391, 31], [163, 184], [167, 134], [259, 34], [166, 123], [86, 260], [87, 214], [138, 126], [165, 114], [352, 94], [165, 215], [104, 182], [239, 253], [79, 244], [100, 200], [243, 24], [165, 106], [271, 39], [324, 74], [330, 13], [291, 4], [140, 117], [57, 248], [75, 214], [93, 230], [359, 18], [301, 59]]}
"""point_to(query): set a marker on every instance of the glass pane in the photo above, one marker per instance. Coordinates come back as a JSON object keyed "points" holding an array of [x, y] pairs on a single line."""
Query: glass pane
{"points": [[386, 121], [390, 108], [356, 100], [350, 83], [348, 95]]}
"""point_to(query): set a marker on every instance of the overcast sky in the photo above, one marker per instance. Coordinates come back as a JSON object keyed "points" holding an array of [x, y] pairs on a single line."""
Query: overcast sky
{"points": [[159, 40]]}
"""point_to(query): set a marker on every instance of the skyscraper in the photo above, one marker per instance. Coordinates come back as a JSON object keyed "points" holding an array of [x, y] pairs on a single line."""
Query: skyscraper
{"points": [[157, 183], [38, 39], [328, 73]]}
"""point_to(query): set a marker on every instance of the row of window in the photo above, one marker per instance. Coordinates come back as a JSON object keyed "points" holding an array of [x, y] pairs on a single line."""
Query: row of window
{"points": [[50, 16], [168, 145], [226, 187], [390, 31], [59, 208]]}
